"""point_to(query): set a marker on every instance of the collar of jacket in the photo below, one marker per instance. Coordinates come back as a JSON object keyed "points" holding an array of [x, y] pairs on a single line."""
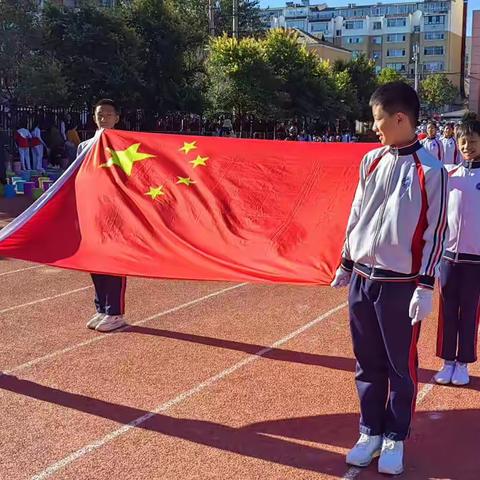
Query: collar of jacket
{"points": [[472, 164], [407, 149]]}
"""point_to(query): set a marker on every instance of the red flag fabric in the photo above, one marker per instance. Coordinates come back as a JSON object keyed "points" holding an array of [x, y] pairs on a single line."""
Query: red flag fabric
{"points": [[187, 207]]}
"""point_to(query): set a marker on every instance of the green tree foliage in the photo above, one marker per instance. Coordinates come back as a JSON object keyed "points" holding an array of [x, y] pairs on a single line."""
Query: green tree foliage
{"points": [[388, 75], [249, 19], [19, 39], [98, 53], [437, 91]]}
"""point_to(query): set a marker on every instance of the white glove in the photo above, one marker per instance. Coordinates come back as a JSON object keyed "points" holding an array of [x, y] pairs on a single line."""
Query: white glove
{"points": [[421, 304], [342, 278]]}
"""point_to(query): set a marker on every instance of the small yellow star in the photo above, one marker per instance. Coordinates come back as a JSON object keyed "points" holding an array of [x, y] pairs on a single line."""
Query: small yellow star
{"points": [[126, 158], [155, 192], [185, 181], [199, 161], [187, 147]]}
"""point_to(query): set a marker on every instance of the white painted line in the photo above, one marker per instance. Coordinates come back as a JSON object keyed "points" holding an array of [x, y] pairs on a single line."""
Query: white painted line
{"points": [[46, 299], [352, 473], [99, 443], [57, 353], [9, 272]]}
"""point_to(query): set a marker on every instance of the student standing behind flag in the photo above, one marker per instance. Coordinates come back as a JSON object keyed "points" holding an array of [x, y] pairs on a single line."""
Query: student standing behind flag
{"points": [[393, 244], [450, 148], [460, 269], [109, 289], [37, 145], [432, 144]]}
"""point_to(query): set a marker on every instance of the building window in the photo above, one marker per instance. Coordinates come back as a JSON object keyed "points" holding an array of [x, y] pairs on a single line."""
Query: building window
{"points": [[416, 29], [396, 37], [319, 27], [377, 25], [396, 52], [398, 67], [435, 20], [433, 51], [433, 67], [354, 40], [354, 25], [338, 33], [377, 40], [376, 55], [434, 35], [396, 22]]}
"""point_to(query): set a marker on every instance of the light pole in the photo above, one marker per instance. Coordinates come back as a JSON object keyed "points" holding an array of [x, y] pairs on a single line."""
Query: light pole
{"points": [[211, 18], [235, 18], [416, 53]]}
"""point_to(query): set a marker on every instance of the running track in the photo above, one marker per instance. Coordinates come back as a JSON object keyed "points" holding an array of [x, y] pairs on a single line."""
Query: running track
{"points": [[210, 381]]}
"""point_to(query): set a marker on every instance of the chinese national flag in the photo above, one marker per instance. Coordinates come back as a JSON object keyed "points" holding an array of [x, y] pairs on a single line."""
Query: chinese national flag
{"points": [[170, 206]]}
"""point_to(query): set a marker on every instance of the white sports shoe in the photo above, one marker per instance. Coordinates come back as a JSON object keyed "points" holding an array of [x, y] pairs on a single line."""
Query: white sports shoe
{"points": [[365, 450], [110, 322], [460, 375], [95, 320], [391, 458], [444, 376]]}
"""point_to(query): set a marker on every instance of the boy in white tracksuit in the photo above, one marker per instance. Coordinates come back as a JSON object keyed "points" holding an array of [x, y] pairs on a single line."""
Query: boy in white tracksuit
{"points": [[460, 269], [451, 152], [393, 244], [432, 144]]}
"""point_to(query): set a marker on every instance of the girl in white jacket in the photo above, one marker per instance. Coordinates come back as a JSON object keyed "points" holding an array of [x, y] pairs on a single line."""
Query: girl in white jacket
{"points": [[460, 268]]}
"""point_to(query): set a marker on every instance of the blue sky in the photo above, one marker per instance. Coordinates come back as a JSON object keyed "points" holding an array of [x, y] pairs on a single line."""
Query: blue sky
{"points": [[337, 3]]}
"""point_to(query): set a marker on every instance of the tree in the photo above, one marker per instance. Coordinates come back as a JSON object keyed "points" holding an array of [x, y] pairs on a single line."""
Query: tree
{"points": [[302, 82], [41, 82], [364, 81], [388, 75], [240, 78], [170, 55], [19, 41], [437, 91], [97, 53], [249, 20]]}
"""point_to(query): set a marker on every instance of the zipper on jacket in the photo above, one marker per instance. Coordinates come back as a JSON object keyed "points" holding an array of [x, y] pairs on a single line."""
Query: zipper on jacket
{"points": [[384, 205], [460, 221]]}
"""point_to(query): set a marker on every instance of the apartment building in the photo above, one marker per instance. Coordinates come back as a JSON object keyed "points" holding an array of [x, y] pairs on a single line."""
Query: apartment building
{"points": [[387, 33]]}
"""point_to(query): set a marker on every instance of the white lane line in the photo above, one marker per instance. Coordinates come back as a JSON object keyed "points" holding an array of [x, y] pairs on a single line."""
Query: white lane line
{"points": [[57, 353], [100, 442], [9, 272], [46, 299]]}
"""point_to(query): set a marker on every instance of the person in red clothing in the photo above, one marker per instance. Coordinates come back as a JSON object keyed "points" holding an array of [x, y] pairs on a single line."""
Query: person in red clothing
{"points": [[22, 139]]}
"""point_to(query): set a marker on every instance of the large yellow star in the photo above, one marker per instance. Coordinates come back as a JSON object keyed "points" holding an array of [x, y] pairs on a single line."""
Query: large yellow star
{"points": [[126, 158], [155, 192], [185, 181], [199, 161], [187, 147]]}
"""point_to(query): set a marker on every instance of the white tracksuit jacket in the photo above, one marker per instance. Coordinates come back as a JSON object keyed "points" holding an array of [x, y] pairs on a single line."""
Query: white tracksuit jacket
{"points": [[398, 222], [463, 239], [451, 153], [435, 147]]}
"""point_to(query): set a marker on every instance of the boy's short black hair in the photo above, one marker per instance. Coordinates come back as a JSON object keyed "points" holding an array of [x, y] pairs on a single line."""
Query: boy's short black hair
{"points": [[396, 97], [106, 101], [467, 127]]}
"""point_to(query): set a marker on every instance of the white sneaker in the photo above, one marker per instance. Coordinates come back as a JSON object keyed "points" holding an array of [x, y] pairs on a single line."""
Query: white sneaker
{"points": [[95, 320], [444, 376], [460, 375], [365, 450], [110, 322], [391, 458]]}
